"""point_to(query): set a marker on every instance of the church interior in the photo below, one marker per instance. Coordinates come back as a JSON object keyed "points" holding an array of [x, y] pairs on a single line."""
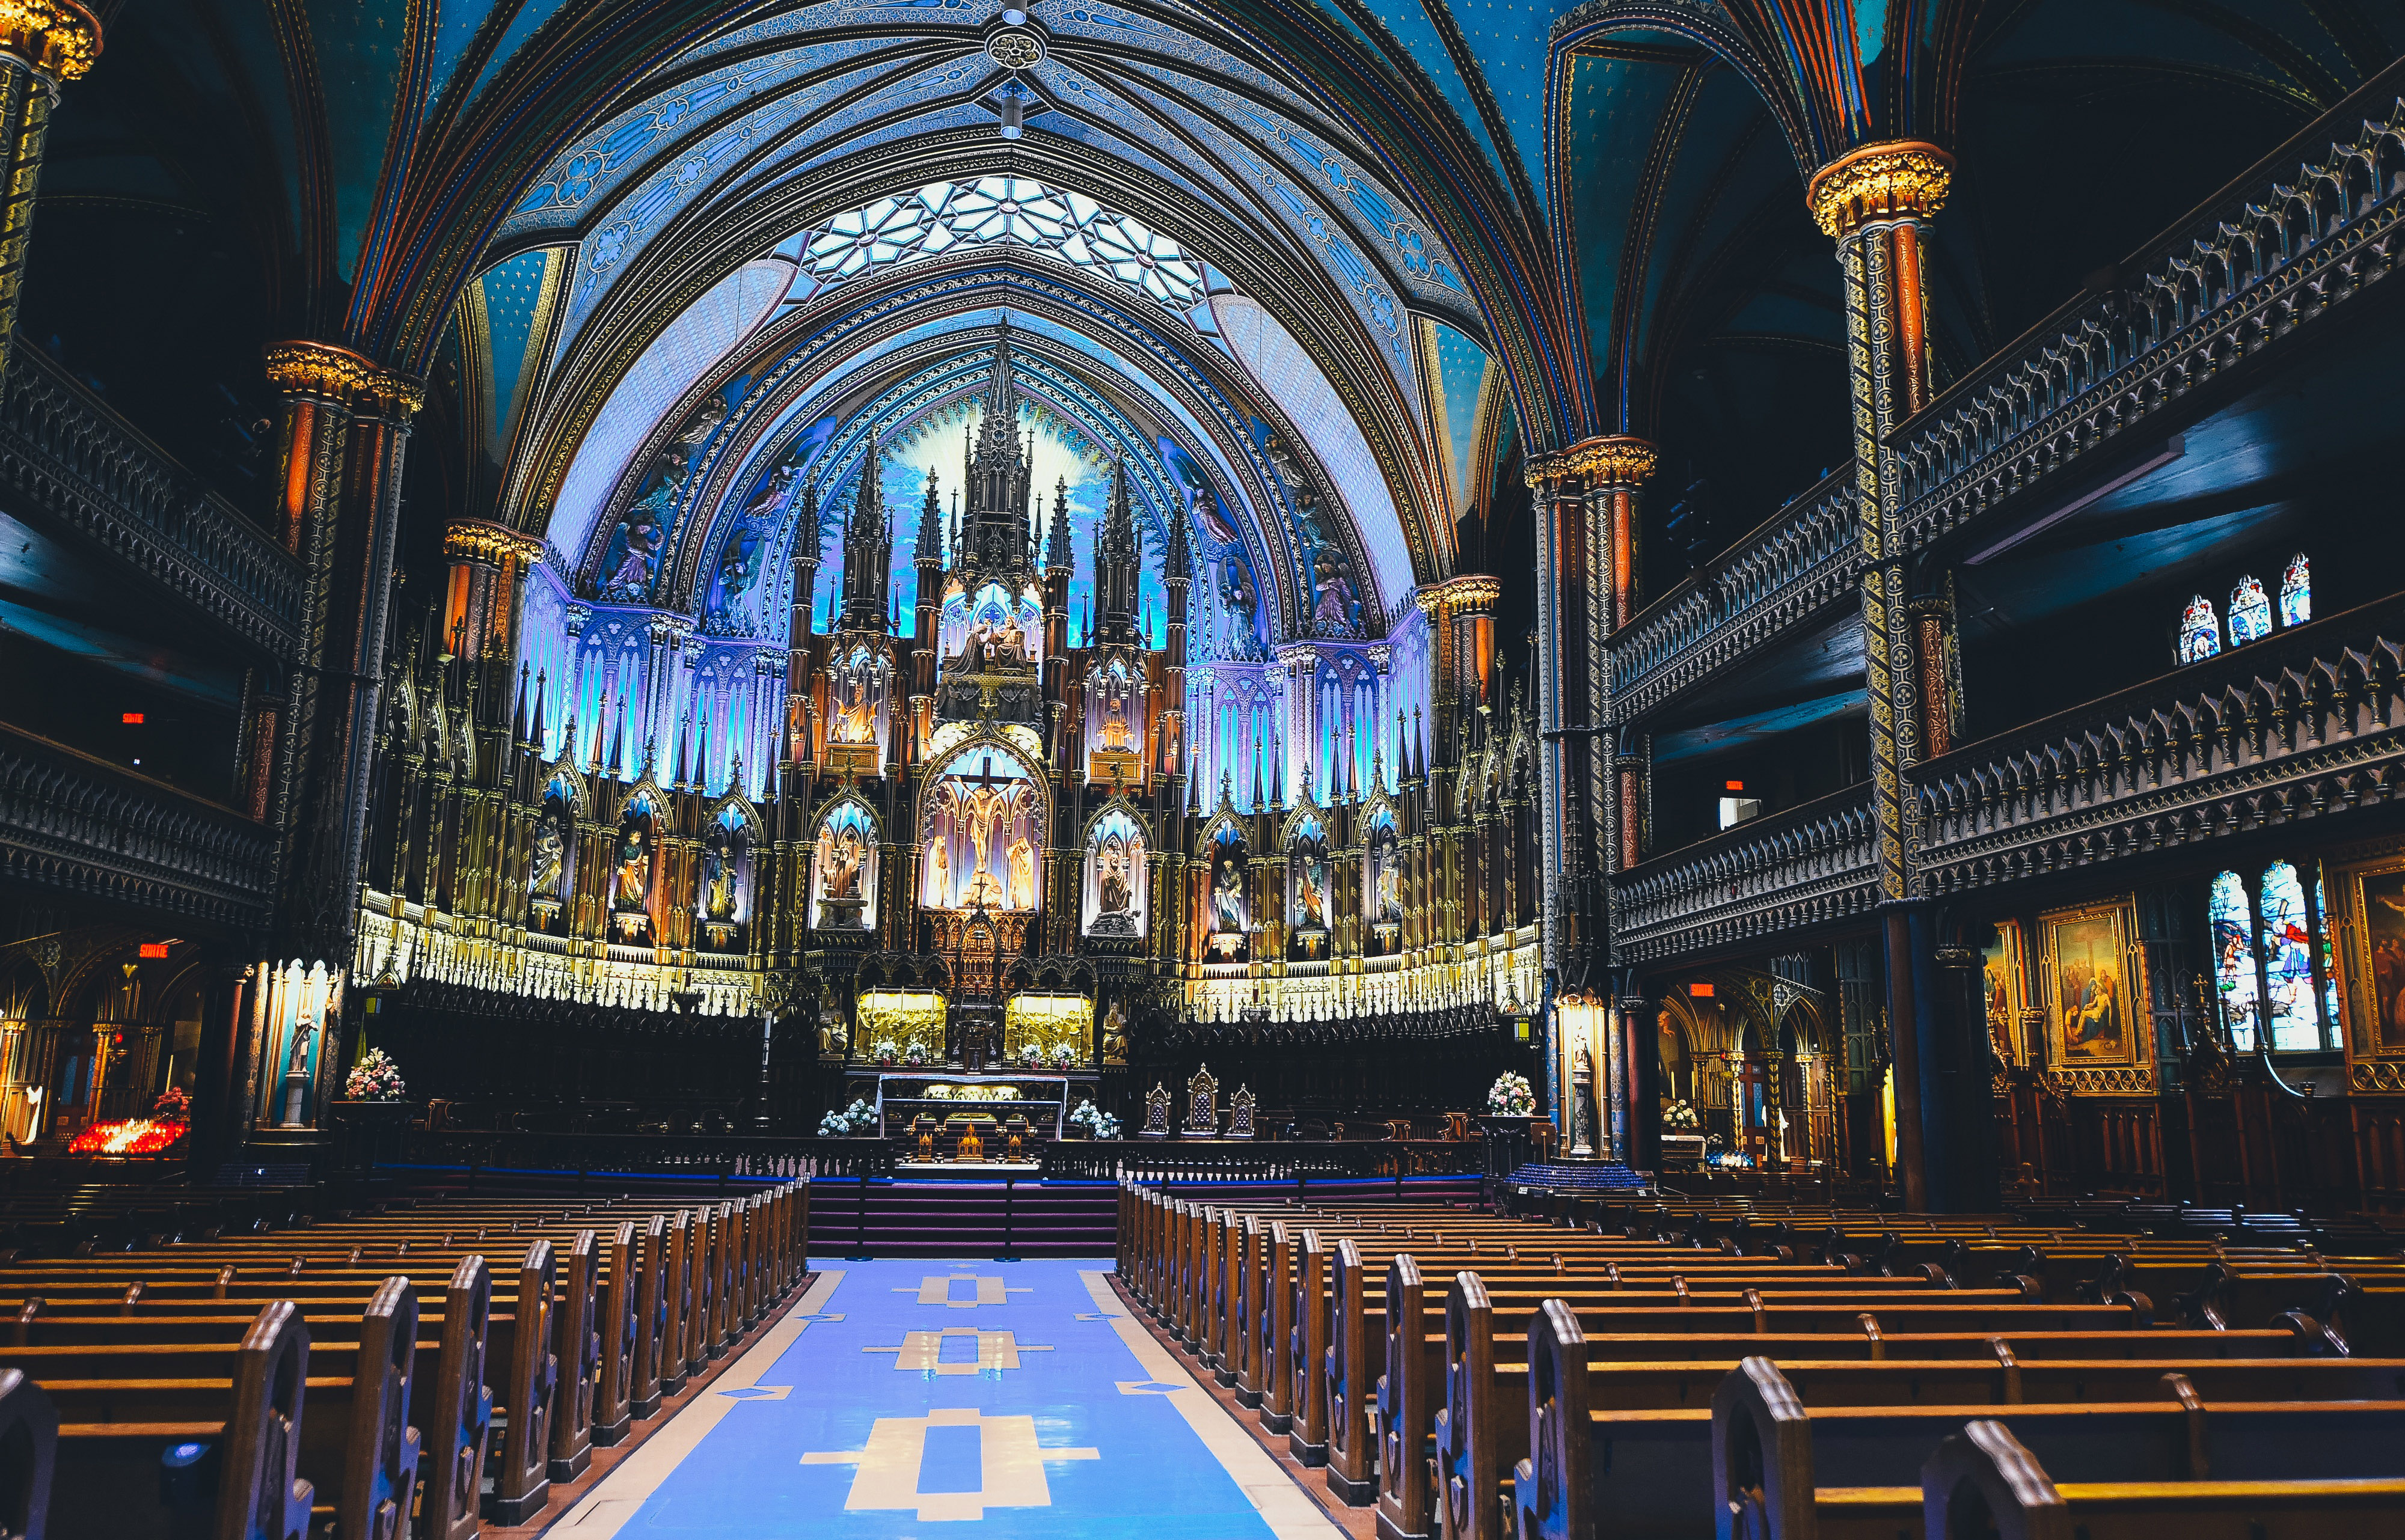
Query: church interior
{"points": [[692, 682]]}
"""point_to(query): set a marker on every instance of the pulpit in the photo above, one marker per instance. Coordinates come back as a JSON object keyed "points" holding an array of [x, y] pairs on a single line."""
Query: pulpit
{"points": [[1203, 1105], [1240, 1114], [1156, 1113]]}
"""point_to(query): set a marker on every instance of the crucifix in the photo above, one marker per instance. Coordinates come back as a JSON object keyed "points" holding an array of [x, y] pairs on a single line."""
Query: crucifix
{"points": [[982, 808]]}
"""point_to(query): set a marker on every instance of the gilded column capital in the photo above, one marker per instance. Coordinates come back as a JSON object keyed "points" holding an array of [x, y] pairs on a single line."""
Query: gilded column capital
{"points": [[1608, 460], [1470, 591], [479, 540], [1897, 180], [340, 377], [58, 38]]}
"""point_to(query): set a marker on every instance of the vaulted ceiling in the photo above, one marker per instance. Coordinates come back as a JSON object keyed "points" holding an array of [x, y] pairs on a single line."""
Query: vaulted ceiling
{"points": [[1409, 236]]}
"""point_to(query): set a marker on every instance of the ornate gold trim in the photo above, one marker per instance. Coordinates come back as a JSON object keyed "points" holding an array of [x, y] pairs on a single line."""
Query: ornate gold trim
{"points": [[340, 376], [2120, 1080], [58, 38], [1611, 459], [1470, 591], [1901, 178], [475, 539]]}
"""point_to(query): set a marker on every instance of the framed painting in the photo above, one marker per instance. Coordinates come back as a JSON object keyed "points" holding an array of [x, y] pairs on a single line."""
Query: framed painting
{"points": [[2096, 1009], [2001, 968], [2372, 953]]}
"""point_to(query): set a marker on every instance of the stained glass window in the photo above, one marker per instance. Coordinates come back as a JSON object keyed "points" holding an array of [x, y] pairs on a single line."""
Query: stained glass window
{"points": [[2250, 612], [2329, 958], [1016, 210], [2297, 592], [2200, 633], [2233, 957], [2288, 963]]}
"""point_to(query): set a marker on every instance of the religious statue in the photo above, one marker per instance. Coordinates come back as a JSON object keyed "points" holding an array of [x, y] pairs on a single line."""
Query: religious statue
{"points": [[839, 857], [1390, 885], [1013, 643], [1022, 874], [718, 883], [982, 811], [644, 531], [550, 859], [634, 868], [939, 873], [1115, 1042], [773, 496], [1228, 895], [1113, 888], [855, 715], [1311, 894]]}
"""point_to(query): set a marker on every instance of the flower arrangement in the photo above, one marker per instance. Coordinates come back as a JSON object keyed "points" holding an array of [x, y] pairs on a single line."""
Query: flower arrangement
{"points": [[174, 1102], [1095, 1121], [887, 1052], [1030, 1055], [915, 1054], [852, 1122], [130, 1136], [1064, 1053], [1678, 1116], [1730, 1160], [1511, 1095], [374, 1078]]}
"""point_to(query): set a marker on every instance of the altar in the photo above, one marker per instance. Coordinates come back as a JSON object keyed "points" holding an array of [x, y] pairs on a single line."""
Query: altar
{"points": [[908, 1093]]}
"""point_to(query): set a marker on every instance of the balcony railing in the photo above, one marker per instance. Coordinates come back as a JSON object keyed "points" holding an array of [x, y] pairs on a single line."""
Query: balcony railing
{"points": [[1803, 559], [2307, 723], [65, 453], [83, 828], [1810, 865], [2309, 228]]}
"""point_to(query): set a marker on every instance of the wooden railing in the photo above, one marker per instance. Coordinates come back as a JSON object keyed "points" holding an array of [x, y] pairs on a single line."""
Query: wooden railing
{"points": [[1197, 1160], [1808, 865], [2307, 723], [84, 828], [67, 454], [2307, 229], [751, 1156], [1804, 560], [2284, 246]]}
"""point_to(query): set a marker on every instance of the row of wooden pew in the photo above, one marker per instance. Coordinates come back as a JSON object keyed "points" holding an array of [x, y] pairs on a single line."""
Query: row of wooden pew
{"points": [[162, 1392], [1479, 1376]]}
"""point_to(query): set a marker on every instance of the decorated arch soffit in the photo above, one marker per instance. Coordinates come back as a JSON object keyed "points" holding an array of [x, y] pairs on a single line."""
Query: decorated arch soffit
{"points": [[1173, 424], [1287, 203], [1360, 435], [1104, 354], [746, 815]]}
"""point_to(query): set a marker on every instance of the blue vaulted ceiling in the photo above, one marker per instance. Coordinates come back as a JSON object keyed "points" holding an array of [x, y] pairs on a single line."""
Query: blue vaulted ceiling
{"points": [[1602, 199]]}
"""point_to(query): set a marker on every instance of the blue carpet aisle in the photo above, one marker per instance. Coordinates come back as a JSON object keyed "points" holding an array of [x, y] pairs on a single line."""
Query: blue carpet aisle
{"points": [[907, 1398]]}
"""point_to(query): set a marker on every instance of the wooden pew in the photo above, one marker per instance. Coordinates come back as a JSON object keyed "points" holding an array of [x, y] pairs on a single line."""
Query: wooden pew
{"points": [[1982, 1481], [128, 1476], [1761, 1452], [29, 1452], [1406, 1395], [1481, 1430]]}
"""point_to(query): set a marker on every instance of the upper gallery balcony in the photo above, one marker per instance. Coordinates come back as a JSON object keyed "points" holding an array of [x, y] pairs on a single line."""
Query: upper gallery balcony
{"points": [[80, 828], [1811, 865], [2179, 330], [2165, 376], [69, 461], [2306, 724], [1802, 563]]}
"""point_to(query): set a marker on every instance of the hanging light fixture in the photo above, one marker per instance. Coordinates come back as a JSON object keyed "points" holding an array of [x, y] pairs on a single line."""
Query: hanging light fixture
{"points": [[1014, 111]]}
